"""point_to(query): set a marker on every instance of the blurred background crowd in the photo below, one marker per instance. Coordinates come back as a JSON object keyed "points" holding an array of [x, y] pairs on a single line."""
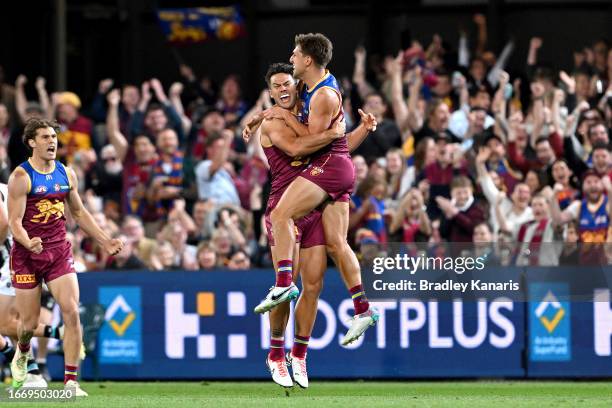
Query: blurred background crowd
{"points": [[466, 150]]}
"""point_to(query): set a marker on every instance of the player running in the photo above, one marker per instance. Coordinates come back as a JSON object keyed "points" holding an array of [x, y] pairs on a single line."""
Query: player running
{"points": [[281, 146], [37, 191], [330, 176], [8, 315]]}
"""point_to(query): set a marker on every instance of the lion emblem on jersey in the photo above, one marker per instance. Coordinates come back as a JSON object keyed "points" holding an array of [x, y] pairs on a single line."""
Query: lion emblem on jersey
{"points": [[47, 209]]}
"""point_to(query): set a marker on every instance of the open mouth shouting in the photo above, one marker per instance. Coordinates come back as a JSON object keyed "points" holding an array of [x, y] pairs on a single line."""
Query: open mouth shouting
{"points": [[285, 97]]}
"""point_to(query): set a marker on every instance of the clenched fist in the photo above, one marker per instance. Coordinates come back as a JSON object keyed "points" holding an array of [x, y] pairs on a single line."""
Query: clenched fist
{"points": [[113, 246], [35, 245]]}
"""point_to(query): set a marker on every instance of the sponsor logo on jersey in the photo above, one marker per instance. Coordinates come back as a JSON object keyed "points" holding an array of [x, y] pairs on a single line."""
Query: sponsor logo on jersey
{"points": [[56, 187], [40, 189]]}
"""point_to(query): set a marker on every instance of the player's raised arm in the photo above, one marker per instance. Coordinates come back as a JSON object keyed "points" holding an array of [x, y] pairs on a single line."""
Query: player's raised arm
{"points": [[18, 192], [357, 136], [85, 220], [286, 140]]}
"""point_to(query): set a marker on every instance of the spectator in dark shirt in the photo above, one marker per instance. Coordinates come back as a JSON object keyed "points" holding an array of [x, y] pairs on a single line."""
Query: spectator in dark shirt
{"points": [[461, 213], [106, 178], [437, 121], [439, 174], [130, 97], [546, 148], [386, 135]]}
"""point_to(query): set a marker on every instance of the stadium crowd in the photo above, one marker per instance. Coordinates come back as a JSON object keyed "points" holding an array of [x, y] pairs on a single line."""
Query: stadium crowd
{"points": [[464, 152]]}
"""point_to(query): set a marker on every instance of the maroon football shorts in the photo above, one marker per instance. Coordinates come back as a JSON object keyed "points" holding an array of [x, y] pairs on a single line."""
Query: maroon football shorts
{"points": [[334, 173], [28, 269], [308, 229]]}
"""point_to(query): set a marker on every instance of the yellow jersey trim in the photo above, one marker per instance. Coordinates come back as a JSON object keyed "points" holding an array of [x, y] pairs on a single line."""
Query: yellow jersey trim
{"points": [[42, 172], [319, 81], [67, 175]]}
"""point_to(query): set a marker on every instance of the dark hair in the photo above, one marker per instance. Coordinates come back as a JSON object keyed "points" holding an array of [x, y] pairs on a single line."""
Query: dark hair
{"points": [[367, 185], [31, 128], [316, 46], [600, 145], [582, 71], [575, 225], [278, 68], [442, 72], [155, 106], [474, 90], [477, 109], [420, 151], [374, 93], [542, 139], [211, 139], [594, 125]]}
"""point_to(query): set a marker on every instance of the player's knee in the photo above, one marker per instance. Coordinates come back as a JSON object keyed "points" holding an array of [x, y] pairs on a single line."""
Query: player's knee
{"points": [[70, 314], [279, 215], [312, 289], [334, 247]]}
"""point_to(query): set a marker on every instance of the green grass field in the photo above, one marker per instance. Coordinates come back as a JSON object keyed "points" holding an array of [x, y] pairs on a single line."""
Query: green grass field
{"points": [[344, 394]]}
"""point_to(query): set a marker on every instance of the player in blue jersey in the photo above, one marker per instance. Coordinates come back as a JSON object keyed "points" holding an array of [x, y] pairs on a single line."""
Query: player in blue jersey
{"points": [[593, 213], [37, 191], [8, 315]]}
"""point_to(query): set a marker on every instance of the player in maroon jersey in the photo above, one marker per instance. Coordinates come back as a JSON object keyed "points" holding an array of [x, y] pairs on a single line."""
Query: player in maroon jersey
{"points": [[38, 189], [328, 179], [287, 157]]}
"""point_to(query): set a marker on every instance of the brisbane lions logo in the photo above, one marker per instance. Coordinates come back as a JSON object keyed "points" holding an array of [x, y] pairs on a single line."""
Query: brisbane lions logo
{"points": [[316, 170], [46, 209]]}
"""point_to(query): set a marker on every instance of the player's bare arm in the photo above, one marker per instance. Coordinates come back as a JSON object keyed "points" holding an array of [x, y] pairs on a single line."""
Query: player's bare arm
{"points": [[285, 138], [17, 196], [85, 220], [357, 136], [323, 107]]}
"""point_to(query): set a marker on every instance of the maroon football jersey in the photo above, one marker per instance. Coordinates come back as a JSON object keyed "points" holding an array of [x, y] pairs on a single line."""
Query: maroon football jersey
{"points": [[284, 169]]}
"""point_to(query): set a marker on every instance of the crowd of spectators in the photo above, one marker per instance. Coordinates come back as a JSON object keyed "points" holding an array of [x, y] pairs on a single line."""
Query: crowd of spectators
{"points": [[465, 150]]}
